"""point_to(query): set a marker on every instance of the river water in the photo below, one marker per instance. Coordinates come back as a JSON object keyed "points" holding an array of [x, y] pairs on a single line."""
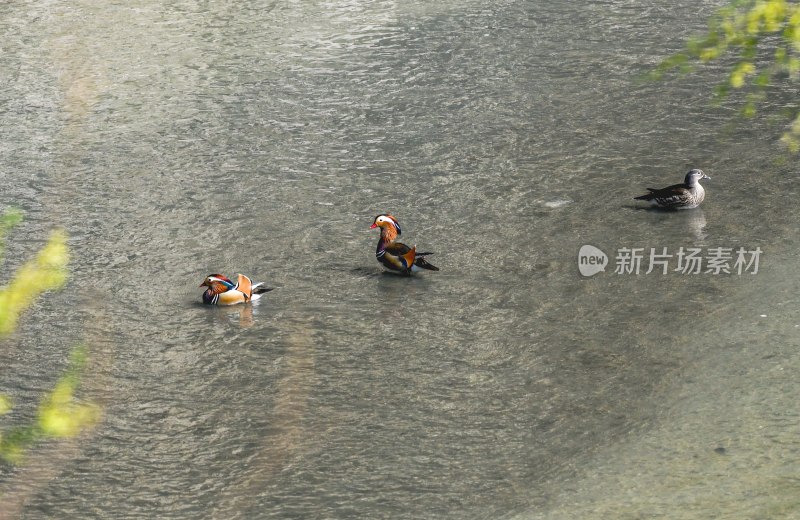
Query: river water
{"points": [[176, 140]]}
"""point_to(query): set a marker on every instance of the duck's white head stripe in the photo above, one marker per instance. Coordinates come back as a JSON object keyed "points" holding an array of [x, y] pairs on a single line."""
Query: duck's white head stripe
{"points": [[226, 283], [390, 220]]}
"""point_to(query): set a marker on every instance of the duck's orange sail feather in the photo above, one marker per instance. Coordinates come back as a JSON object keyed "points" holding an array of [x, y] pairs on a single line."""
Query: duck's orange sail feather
{"points": [[409, 257], [245, 286]]}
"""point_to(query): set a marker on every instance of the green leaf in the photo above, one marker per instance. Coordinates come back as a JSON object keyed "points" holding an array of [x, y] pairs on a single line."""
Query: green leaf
{"points": [[5, 404], [46, 272], [739, 73]]}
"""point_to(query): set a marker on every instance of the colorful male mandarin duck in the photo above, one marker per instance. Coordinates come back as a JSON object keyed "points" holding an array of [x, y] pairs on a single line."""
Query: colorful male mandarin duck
{"points": [[222, 291], [687, 195], [396, 256]]}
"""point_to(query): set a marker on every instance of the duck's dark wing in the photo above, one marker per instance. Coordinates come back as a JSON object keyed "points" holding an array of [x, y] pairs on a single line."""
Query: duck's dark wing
{"points": [[676, 194], [420, 262], [391, 255], [397, 248]]}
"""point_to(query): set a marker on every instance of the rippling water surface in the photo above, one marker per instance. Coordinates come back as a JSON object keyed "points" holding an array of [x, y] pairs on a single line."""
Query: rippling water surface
{"points": [[172, 141]]}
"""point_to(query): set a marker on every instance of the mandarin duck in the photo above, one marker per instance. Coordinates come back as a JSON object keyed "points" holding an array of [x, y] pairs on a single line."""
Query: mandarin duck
{"points": [[394, 255], [222, 291], [686, 195]]}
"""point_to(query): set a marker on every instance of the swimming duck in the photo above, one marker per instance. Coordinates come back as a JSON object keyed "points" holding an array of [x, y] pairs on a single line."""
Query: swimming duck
{"points": [[394, 255], [687, 195], [222, 291]]}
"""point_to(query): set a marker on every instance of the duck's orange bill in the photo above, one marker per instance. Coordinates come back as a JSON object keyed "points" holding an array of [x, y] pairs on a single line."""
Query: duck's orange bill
{"points": [[373, 226]]}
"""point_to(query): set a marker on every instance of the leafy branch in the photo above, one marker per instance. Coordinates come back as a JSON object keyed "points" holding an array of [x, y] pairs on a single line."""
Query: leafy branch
{"points": [[764, 37], [59, 414]]}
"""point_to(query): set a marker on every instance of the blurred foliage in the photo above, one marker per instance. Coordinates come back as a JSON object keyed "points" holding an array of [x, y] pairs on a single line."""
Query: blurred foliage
{"points": [[59, 414], [5, 404], [46, 272], [8, 220], [764, 38]]}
